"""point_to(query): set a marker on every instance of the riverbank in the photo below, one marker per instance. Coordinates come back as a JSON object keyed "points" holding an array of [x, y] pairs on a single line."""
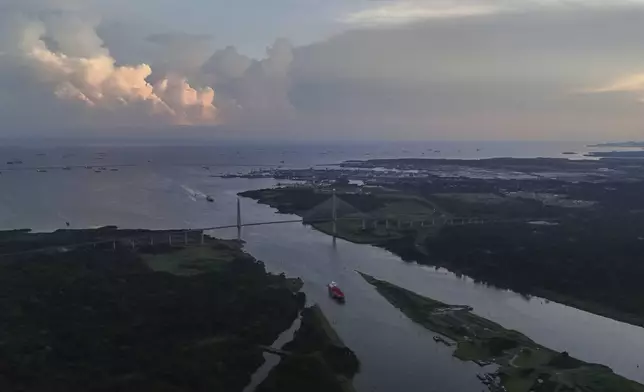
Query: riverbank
{"points": [[315, 360], [127, 316], [555, 241], [523, 365]]}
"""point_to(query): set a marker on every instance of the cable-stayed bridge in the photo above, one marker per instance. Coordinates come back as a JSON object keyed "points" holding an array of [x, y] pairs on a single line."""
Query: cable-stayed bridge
{"points": [[333, 210]]}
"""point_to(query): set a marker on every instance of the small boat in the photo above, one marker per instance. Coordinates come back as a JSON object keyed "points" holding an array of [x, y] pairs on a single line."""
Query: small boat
{"points": [[41, 171], [67, 168], [114, 169], [335, 292], [210, 199]]}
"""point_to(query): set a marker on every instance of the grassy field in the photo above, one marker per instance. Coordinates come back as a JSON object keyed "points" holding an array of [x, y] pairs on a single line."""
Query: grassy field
{"points": [[194, 259], [524, 365]]}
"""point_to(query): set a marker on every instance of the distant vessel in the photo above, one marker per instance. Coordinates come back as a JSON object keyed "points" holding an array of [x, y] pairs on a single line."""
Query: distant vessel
{"points": [[569, 153], [335, 292], [210, 199], [67, 168], [41, 171]]}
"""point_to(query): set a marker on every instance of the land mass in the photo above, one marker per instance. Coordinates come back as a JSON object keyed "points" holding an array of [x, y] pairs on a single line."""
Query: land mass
{"points": [[559, 237], [523, 365], [316, 360], [131, 310]]}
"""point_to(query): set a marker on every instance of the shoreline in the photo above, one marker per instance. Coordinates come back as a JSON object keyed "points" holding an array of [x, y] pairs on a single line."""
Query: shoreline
{"points": [[410, 253], [594, 308], [523, 363]]}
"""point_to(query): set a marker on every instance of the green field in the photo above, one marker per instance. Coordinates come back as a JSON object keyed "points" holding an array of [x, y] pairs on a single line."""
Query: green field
{"points": [[194, 259]]}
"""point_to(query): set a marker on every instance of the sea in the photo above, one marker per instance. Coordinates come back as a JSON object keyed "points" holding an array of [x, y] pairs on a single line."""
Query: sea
{"points": [[144, 185]]}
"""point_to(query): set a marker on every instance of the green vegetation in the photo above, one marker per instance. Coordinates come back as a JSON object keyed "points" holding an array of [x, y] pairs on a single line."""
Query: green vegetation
{"points": [[104, 320], [524, 365], [318, 360], [195, 259]]}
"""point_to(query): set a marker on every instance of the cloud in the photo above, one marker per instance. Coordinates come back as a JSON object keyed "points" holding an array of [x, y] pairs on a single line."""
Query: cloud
{"points": [[629, 83], [501, 75], [417, 69], [400, 12], [253, 91], [59, 57]]}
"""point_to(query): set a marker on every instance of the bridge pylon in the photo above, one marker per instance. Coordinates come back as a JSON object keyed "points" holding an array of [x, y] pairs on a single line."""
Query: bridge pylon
{"points": [[239, 220], [334, 213]]}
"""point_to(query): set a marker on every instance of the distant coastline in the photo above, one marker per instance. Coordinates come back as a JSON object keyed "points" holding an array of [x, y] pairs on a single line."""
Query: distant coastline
{"points": [[619, 144]]}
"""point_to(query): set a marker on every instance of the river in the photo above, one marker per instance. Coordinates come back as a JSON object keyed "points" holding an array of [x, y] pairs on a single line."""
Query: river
{"points": [[395, 353]]}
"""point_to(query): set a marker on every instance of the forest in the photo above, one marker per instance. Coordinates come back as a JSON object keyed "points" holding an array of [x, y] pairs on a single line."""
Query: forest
{"points": [[103, 320]]}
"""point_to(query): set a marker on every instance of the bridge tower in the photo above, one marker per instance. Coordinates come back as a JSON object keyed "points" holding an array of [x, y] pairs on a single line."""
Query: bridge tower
{"points": [[239, 220], [334, 213]]}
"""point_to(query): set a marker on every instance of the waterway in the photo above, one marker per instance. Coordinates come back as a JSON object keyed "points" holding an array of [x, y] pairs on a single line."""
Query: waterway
{"points": [[395, 353]]}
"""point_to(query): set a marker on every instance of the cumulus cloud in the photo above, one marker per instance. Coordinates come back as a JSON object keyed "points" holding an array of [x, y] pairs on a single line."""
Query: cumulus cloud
{"points": [[60, 54], [460, 69], [253, 90]]}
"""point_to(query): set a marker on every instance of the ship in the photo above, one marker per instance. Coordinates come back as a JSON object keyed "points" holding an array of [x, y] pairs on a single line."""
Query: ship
{"points": [[210, 199], [335, 292]]}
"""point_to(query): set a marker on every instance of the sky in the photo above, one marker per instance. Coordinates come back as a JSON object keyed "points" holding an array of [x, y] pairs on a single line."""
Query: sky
{"points": [[324, 69]]}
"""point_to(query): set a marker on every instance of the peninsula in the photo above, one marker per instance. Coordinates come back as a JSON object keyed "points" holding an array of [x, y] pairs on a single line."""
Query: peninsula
{"points": [[521, 364]]}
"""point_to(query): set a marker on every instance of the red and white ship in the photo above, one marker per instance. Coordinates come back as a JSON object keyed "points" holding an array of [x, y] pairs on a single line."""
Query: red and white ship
{"points": [[335, 292]]}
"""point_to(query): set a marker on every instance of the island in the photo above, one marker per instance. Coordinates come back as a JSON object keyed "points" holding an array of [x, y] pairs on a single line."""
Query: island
{"points": [[567, 231], [140, 310], [520, 364]]}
